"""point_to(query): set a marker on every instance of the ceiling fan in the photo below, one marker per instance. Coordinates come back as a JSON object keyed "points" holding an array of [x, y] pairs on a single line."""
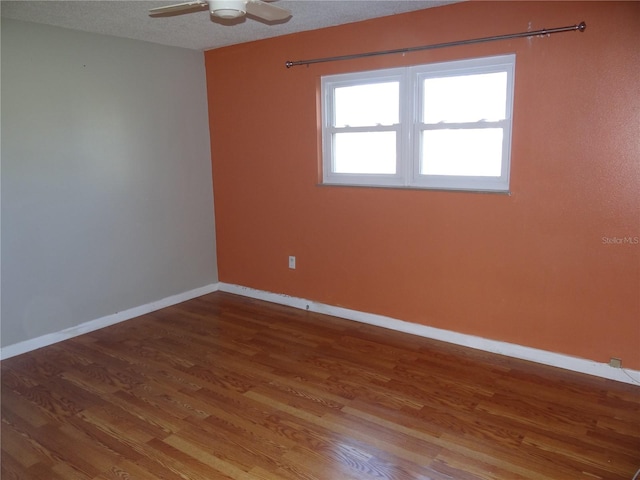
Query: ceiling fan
{"points": [[226, 9]]}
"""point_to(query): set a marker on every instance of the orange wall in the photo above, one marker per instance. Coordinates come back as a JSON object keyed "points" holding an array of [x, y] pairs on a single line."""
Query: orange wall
{"points": [[530, 268]]}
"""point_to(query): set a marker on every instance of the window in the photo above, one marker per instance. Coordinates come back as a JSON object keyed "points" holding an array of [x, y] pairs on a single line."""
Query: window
{"points": [[443, 126]]}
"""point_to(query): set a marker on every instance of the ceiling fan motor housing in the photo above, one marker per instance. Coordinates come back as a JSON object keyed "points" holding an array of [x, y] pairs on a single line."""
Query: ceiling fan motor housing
{"points": [[228, 8]]}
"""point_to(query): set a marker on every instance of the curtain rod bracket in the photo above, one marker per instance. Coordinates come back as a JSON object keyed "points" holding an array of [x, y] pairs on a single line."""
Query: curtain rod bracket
{"points": [[581, 27]]}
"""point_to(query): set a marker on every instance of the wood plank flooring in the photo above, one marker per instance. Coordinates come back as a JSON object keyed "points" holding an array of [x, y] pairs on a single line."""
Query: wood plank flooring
{"points": [[224, 387]]}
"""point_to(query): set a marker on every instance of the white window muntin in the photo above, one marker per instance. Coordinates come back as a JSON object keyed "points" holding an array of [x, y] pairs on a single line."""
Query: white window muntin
{"points": [[409, 130]]}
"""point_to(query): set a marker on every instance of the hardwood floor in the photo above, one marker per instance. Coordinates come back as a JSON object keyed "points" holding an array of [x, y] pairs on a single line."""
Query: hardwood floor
{"points": [[227, 387]]}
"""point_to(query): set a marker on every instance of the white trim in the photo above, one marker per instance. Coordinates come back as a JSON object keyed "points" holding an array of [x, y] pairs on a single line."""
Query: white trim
{"points": [[90, 326], [544, 357]]}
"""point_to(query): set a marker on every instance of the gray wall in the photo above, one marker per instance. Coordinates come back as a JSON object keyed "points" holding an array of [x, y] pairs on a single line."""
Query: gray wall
{"points": [[106, 189]]}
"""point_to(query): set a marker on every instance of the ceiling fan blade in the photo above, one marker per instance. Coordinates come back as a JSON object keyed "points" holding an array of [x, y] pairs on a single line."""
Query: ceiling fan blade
{"points": [[266, 11], [179, 8]]}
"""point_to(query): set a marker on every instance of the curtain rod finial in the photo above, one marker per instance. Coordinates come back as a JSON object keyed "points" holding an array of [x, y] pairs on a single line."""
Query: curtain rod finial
{"points": [[582, 26]]}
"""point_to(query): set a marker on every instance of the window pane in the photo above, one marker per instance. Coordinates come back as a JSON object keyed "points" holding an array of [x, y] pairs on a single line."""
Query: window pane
{"points": [[365, 152], [464, 152], [468, 98], [365, 105]]}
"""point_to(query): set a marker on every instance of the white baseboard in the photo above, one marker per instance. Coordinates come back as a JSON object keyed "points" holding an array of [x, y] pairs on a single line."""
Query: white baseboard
{"points": [[544, 357], [51, 338], [559, 360]]}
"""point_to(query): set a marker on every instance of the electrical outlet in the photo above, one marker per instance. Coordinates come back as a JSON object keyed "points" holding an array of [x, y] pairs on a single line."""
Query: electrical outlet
{"points": [[292, 262], [615, 362]]}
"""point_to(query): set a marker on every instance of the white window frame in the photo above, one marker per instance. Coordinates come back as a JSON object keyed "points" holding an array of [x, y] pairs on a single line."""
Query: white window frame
{"points": [[410, 126]]}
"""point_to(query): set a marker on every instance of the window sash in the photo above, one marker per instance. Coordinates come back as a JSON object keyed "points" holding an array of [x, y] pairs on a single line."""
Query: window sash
{"points": [[329, 130]]}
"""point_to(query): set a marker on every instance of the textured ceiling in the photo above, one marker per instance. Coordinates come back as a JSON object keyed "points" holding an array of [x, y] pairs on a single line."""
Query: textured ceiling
{"points": [[197, 30]]}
